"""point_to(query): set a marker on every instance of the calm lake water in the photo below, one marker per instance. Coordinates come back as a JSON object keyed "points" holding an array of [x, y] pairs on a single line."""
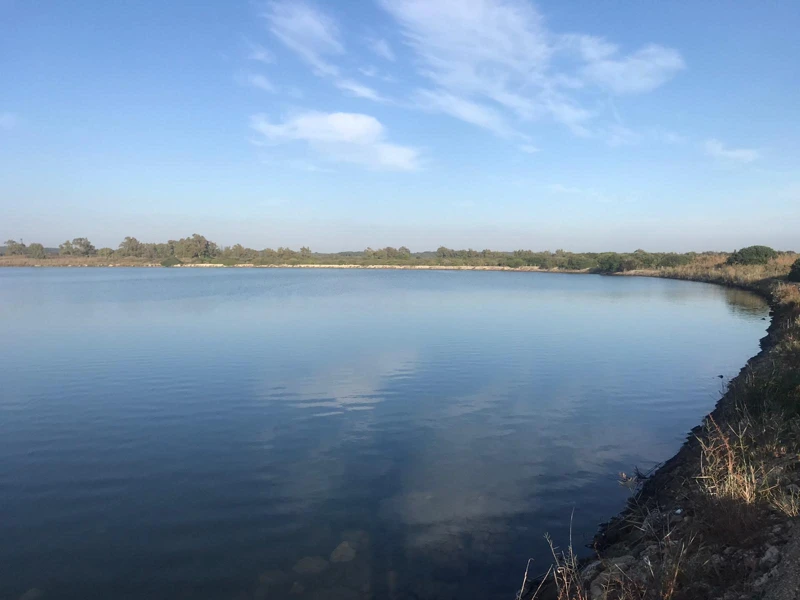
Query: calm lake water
{"points": [[218, 434]]}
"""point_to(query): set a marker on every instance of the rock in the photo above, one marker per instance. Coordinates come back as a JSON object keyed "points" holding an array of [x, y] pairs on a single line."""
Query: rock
{"points": [[344, 552], [32, 594], [762, 581], [598, 587], [622, 562], [592, 570], [297, 588], [770, 558], [310, 565], [358, 538]]}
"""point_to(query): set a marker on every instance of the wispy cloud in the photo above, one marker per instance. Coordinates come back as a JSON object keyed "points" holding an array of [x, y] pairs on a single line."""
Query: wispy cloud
{"points": [[494, 64], [8, 120], [359, 90], [560, 188], [718, 150], [466, 110], [310, 33], [619, 135], [342, 137], [315, 37], [382, 48], [257, 81], [501, 52], [529, 149], [642, 71], [258, 53]]}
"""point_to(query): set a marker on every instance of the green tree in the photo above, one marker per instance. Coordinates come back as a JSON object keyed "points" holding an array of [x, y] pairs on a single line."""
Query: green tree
{"points": [[752, 255], [36, 251], [83, 247], [14, 248], [105, 252], [130, 246], [195, 247], [66, 249]]}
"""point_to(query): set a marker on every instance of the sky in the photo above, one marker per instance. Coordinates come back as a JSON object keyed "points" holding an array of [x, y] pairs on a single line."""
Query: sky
{"points": [[343, 124]]}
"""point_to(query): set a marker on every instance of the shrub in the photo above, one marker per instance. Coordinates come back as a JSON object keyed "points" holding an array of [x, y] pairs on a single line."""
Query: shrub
{"points": [[578, 262], [170, 262], [610, 262], [674, 260], [794, 273], [752, 255]]}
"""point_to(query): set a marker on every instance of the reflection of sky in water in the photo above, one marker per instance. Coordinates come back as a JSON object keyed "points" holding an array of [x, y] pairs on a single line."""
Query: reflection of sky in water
{"points": [[193, 429]]}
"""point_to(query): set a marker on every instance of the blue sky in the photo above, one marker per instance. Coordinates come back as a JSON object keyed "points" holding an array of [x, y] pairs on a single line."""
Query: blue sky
{"points": [[340, 125]]}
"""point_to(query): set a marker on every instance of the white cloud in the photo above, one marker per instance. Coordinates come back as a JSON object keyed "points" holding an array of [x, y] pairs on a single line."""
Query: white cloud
{"points": [[258, 81], [343, 137], [529, 149], [8, 120], [359, 90], [641, 71], [311, 34], [501, 52], [719, 150], [382, 48]]}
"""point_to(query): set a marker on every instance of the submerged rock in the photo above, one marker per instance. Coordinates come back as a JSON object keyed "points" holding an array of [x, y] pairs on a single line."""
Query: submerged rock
{"points": [[297, 588], [310, 565], [357, 538], [32, 594], [344, 552]]}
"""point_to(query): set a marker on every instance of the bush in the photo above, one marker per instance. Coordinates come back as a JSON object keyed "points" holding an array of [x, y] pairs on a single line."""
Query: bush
{"points": [[794, 273], [170, 262], [610, 262], [228, 262], [578, 262], [674, 260], [752, 255]]}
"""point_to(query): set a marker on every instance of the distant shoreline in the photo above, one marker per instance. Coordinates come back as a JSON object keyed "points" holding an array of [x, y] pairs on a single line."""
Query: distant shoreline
{"points": [[94, 263]]}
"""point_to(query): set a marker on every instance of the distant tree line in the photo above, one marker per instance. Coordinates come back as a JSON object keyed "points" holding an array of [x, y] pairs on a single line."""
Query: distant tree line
{"points": [[197, 249]]}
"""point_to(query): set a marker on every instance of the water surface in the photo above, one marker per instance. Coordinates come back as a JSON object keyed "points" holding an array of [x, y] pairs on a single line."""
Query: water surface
{"points": [[201, 433]]}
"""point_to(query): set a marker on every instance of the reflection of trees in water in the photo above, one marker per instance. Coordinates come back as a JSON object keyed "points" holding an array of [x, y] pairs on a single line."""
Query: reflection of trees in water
{"points": [[741, 302]]}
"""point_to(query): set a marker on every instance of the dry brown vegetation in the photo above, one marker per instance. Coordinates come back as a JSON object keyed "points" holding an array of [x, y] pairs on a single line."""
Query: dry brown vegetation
{"points": [[74, 261], [713, 268]]}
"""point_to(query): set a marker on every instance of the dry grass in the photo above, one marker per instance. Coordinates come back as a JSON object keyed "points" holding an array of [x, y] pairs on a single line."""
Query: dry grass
{"points": [[662, 576], [712, 268], [728, 468], [73, 261], [567, 575]]}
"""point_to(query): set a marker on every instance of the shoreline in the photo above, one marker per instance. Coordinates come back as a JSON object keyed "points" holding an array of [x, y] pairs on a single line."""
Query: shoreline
{"points": [[117, 265], [629, 551]]}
